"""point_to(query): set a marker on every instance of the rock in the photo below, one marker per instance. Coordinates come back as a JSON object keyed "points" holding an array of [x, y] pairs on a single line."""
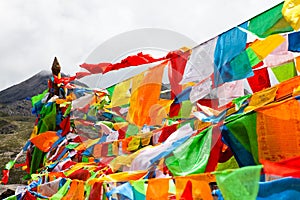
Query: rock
{"points": [[7, 193], [8, 129], [8, 190]]}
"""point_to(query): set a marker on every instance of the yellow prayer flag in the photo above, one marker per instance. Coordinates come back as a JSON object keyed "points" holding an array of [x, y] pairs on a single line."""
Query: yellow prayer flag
{"points": [[261, 98], [121, 94], [134, 144], [34, 132], [291, 13], [264, 47]]}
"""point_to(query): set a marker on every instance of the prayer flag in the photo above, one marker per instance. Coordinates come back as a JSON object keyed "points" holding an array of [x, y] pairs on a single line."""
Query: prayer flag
{"points": [[269, 22]]}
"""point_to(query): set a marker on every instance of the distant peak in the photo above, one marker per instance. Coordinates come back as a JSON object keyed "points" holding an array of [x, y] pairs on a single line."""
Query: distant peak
{"points": [[44, 73]]}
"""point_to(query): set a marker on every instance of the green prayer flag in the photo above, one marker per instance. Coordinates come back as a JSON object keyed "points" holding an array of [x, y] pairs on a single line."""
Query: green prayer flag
{"points": [[37, 158], [38, 97], [241, 67], [72, 145], [241, 184], [192, 156], [68, 111], [111, 90], [253, 58], [185, 110], [132, 130], [14, 197], [269, 22], [9, 165], [119, 119], [139, 186], [88, 187], [285, 72], [62, 191], [229, 164], [108, 123], [110, 149], [85, 159], [238, 102], [244, 130], [48, 118]]}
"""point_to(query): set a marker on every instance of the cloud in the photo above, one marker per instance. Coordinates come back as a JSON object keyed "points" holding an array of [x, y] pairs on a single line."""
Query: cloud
{"points": [[33, 32]]}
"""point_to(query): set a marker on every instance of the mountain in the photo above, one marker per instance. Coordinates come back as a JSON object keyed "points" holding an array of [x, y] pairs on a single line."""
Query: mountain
{"points": [[28, 88], [12, 99], [17, 121]]}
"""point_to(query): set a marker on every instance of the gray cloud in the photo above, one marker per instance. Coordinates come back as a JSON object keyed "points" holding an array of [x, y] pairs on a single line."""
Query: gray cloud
{"points": [[33, 31]]}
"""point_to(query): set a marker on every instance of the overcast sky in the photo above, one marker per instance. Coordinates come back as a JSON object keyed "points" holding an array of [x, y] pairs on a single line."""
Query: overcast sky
{"points": [[34, 31]]}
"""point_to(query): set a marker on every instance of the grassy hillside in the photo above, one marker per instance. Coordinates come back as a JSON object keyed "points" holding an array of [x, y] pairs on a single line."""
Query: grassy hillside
{"points": [[14, 132]]}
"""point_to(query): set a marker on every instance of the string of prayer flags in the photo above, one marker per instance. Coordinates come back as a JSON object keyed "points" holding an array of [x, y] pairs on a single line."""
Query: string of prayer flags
{"points": [[195, 123]]}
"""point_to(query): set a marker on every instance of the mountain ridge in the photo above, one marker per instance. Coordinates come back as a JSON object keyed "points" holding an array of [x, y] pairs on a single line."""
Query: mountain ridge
{"points": [[28, 88], [13, 99]]}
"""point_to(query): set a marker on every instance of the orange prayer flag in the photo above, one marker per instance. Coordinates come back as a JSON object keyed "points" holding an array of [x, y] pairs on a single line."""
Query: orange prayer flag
{"points": [[200, 185], [275, 140], [141, 102], [45, 140], [157, 188], [188, 192], [120, 177], [125, 143], [298, 63], [54, 175], [286, 88], [97, 150], [159, 111], [76, 191]]}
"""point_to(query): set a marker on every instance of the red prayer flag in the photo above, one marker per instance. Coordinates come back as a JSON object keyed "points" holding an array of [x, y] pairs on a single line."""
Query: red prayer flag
{"points": [[95, 68], [178, 61], [96, 191], [166, 132], [5, 176], [187, 193], [64, 80], [133, 60], [80, 75], [284, 168], [260, 80]]}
